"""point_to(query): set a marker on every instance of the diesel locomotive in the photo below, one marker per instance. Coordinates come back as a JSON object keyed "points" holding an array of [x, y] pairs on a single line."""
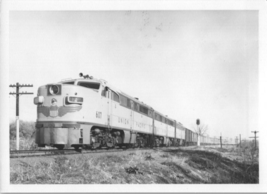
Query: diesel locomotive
{"points": [[89, 113]]}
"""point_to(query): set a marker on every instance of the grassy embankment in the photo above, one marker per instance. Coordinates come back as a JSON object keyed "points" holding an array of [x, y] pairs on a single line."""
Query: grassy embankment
{"points": [[175, 166]]}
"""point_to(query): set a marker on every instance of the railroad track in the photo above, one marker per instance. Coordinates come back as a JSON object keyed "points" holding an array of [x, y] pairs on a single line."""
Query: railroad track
{"points": [[54, 152], [36, 153]]}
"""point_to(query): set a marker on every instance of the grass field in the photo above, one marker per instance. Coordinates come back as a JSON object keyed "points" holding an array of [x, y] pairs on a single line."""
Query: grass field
{"points": [[169, 166], [24, 144]]}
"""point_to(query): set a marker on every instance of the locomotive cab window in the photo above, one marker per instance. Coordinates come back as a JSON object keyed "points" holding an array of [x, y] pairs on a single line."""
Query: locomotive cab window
{"points": [[90, 85], [103, 93]]}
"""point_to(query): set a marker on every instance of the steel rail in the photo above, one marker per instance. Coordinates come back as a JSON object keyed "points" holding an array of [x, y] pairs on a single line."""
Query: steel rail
{"points": [[54, 152]]}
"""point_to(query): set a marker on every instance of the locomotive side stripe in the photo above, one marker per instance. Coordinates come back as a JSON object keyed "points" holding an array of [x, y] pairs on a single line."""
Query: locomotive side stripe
{"points": [[57, 125]]}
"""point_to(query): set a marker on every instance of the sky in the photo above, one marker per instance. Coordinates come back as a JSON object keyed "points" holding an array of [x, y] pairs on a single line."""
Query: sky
{"points": [[185, 64]]}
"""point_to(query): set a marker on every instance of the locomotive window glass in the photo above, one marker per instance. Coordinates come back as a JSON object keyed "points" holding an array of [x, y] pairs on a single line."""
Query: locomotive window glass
{"points": [[91, 85], [132, 104], [144, 110], [157, 117], [150, 113], [171, 123], [103, 93], [115, 97], [163, 120], [123, 101], [70, 83], [136, 107], [128, 103]]}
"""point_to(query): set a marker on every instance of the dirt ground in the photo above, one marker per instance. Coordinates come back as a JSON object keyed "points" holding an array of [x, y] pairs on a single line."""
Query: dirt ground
{"points": [[184, 165]]}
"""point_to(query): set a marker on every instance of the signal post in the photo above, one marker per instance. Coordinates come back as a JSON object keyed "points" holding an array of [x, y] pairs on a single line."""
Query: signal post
{"points": [[198, 137]]}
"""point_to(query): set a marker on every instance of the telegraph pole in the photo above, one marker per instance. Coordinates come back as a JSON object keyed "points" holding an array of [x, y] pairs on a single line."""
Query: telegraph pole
{"points": [[17, 93], [255, 132]]}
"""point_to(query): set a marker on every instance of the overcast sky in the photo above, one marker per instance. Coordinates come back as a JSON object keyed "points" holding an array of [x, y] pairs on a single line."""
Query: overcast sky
{"points": [[185, 64]]}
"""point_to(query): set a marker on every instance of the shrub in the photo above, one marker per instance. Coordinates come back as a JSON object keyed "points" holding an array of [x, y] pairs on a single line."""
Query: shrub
{"points": [[26, 134], [26, 129]]}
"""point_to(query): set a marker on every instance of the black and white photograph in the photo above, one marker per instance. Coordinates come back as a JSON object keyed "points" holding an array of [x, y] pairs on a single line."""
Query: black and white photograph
{"points": [[145, 96]]}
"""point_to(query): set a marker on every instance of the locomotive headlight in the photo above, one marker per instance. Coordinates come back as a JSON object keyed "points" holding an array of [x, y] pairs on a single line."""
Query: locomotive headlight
{"points": [[54, 90], [74, 100], [38, 100]]}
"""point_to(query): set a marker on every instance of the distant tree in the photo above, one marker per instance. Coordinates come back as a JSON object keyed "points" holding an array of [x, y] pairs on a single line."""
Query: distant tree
{"points": [[201, 129], [12, 130]]}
